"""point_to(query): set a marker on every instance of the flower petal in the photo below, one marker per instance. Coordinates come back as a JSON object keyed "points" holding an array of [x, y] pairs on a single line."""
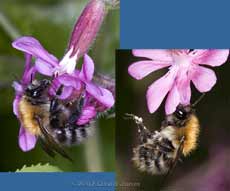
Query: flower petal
{"points": [[69, 80], [160, 55], [139, 70], [215, 57], [93, 89], [66, 93], [183, 85], [26, 140], [87, 68], [172, 101], [203, 78], [103, 95], [158, 90], [15, 104], [88, 113], [17, 87], [44, 67], [32, 46], [29, 76], [68, 63], [28, 58]]}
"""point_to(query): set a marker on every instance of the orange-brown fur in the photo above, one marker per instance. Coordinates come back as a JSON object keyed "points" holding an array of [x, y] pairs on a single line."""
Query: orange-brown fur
{"points": [[191, 133], [27, 113]]}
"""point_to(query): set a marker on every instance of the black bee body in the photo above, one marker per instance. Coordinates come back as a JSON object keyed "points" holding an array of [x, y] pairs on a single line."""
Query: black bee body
{"points": [[158, 151], [52, 120], [155, 153]]}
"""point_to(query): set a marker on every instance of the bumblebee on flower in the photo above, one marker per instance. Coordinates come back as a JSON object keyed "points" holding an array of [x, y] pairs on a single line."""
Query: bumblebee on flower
{"points": [[60, 108], [158, 151]]}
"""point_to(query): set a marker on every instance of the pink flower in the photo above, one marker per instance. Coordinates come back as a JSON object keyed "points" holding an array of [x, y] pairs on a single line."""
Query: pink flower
{"points": [[184, 67], [25, 139], [75, 82]]}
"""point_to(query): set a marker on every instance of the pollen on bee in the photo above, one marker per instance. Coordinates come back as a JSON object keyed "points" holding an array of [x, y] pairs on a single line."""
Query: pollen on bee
{"points": [[27, 113], [191, 132]]}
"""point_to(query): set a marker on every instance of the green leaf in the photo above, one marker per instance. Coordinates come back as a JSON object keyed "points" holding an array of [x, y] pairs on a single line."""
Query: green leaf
{"points": [[39, 168]]}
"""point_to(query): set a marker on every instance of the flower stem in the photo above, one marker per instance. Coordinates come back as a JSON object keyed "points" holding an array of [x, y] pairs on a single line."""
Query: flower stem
{"points": [[93, 154]]}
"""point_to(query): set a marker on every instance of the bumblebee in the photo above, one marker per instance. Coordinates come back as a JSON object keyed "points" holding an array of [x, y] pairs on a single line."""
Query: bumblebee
{"points": [[159, 151], [52, 120]]}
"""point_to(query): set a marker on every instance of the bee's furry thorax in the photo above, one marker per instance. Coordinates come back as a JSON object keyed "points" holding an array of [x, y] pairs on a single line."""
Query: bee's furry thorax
{"points": [[190, 132], [27, 112], [158, 151]]}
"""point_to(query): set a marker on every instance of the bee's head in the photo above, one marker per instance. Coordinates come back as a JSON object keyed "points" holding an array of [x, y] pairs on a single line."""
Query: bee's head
{"points": [[183, 112], [179, 117], [37, 88]]}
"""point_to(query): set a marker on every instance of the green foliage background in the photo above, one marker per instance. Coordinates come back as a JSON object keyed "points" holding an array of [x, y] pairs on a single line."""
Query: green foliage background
{"points": [[51, 22]]}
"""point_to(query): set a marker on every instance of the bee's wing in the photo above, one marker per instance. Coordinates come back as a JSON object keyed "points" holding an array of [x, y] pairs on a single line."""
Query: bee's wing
{"points": [[46, 147], [49, 144], [174, 162]]}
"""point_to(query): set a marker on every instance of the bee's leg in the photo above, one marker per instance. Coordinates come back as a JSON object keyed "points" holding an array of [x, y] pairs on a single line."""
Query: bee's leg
{"points": [[77, 113], [165, 145], [54, 101], [49, 139], [109, 113], [137, 120], [144, 133], [46, 147]]}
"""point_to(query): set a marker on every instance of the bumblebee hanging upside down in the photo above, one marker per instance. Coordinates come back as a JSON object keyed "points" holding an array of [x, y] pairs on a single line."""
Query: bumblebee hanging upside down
{"points": [[158, 152], [52, 120]]}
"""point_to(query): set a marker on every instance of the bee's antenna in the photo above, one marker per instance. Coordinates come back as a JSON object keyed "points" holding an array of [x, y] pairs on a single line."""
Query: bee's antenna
{"points": [[198, 100]]}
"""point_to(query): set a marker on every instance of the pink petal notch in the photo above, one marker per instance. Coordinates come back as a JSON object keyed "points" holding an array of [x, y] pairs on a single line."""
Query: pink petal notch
{"points": [[215, 57], [204, 79], [26, 141], [103, 95]]}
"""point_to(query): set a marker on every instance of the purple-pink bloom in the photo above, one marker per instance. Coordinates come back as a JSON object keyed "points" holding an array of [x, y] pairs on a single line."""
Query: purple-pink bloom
{"points": [[26, 140], [74, 83], [47, 64], [184, 66]]}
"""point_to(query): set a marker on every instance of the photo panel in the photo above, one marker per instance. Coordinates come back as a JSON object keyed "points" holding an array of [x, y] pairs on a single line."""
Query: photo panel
{"points": [[172, 118], [57, 88]]}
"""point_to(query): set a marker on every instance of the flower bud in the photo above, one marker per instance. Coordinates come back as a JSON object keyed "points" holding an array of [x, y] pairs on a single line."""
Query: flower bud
{"points": [[87, 27]]}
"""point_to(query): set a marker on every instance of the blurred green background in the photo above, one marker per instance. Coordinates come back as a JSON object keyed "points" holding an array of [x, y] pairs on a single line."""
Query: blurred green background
{"points": [[51, 22], [213, 112]]}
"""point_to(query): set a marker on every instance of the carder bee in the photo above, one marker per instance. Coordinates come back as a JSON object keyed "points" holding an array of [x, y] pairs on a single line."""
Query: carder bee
{"points": [[159, 151], [52, 120]]}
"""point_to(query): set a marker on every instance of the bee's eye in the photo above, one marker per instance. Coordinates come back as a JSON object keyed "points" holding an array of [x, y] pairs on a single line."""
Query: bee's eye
{"points": [[181, 114], [36, 93], [33, 91]]}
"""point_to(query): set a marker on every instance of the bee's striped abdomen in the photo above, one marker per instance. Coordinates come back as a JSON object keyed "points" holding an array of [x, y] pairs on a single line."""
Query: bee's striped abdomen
{"points": [[72, 136], [155, 156]]}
